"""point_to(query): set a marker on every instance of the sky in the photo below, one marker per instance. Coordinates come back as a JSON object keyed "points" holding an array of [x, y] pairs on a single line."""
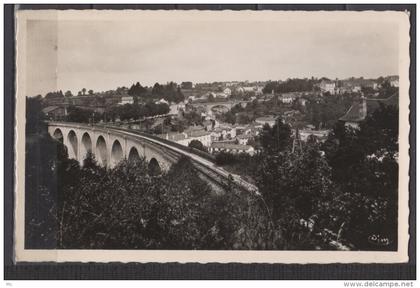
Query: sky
{"points": [[106, 54]]}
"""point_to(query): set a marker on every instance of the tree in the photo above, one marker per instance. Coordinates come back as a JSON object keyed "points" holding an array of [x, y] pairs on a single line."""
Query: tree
{"points": [[196, 144], [295, 186], [290, 85], [90, 92], [34, 115], [68, 93], [75, 114], [187, 85], [83, 91], [365, 168], [157, 89], [137, 90], [54, 95], [275, 139]]}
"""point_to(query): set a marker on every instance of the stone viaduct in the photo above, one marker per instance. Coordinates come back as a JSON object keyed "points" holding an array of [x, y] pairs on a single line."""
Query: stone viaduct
{"points": [[111, 144]]}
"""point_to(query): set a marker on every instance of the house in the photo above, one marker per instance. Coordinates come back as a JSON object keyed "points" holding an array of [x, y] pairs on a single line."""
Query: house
{"points": [[208, 125], [288, 98], [393, 80], [203, 136], [175, 109], [360, 109], [223, 131], [270, 120], [231, 148], [187, 85], [328, 86], [320, 135], [185, 138], [162, 101], [216, 134], [356, 89], [228, 131], [54, 112], [173, 136], [244, 138], [126, 100], [356, 114], [222, 95], [302, 101], [249, 89]]}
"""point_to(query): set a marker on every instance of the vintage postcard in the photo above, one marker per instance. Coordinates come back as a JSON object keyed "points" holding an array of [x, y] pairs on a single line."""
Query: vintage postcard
{"points": [[212, 136]]}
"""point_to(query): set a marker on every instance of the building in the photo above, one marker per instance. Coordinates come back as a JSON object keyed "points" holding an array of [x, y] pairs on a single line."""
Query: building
{"points": [[216, 134], [320, 135], [175, 109], [162, 101], [187, 85], [208, 125], [395, 83], [244, 138], [328, 86], [231, 148], [303, 101], [355, 114], [288, 98], [393, 80], [360, 109], [173, 136], [54, 112], [270, 120], [185, 138], [221, 95], [126, 100], [203, 136]]}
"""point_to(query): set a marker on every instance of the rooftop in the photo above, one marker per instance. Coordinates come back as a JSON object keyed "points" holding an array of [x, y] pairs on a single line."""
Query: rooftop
{"points": [[193, 134], [266, 118], [49, 109], [173, 136], [355, 113], [230, 146]]}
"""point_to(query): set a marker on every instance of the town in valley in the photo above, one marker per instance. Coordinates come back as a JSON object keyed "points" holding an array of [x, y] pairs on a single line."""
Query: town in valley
{"points": [[294, 164], [227, 116]]}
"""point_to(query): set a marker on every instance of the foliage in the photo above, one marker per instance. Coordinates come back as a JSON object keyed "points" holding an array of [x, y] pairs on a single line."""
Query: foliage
{"points": [[137, 90], [197, 145], [325, 112], [54, 95], [75, 114], [34, 115], [365, 168], [133, 111], [290, 85], [170, 92], [275, 139]]}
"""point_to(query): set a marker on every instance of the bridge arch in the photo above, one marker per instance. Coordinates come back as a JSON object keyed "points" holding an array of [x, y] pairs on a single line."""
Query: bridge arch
{"points": [[86, 145], [133, 155], [72, 144], [154, 167], [117, 153], [101, 151], [58, 135]]}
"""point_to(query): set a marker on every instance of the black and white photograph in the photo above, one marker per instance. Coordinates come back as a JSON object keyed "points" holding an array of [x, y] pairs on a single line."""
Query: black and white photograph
{"points": [[197, 136]]}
